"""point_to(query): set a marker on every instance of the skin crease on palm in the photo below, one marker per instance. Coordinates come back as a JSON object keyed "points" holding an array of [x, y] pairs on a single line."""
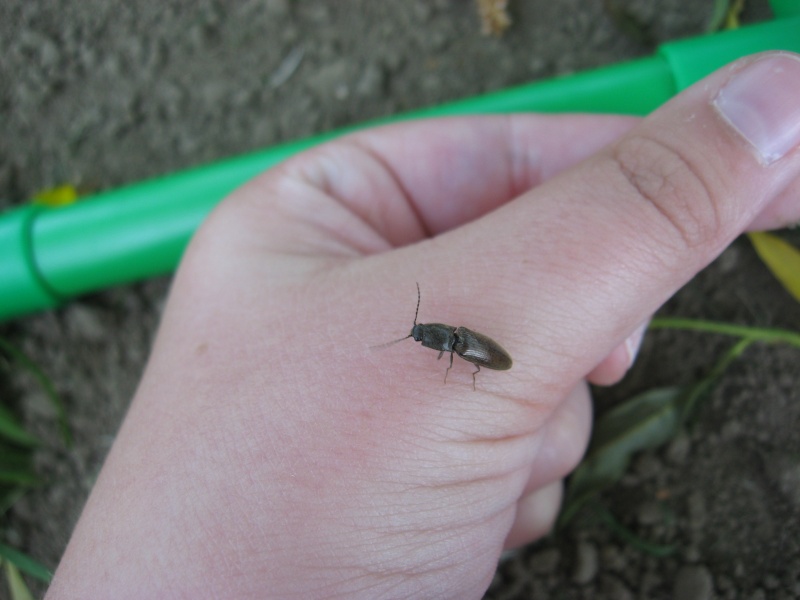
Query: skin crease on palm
{"points": [[269, 452]]}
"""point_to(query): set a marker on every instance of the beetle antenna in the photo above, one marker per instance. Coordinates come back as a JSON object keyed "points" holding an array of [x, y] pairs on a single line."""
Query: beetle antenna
{"points": [[387, 344], [419, 298]]}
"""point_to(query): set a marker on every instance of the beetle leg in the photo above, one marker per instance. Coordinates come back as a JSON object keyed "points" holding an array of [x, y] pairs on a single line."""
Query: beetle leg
{"points": [[440, 355], [477, 370], [448, 368]]}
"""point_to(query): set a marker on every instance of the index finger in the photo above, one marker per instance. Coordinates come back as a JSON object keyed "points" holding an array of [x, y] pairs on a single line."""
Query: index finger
{"points": [[417, 179]]}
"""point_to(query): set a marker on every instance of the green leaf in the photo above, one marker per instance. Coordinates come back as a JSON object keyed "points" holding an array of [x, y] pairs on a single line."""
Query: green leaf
{"points": [[16, 585], [44, 381], [645, 421], [781, 258], [8, 496], [12, 431], [746, 332], [12, 456], [16, 466], [641, 422], [18, 477], [25, 563]]}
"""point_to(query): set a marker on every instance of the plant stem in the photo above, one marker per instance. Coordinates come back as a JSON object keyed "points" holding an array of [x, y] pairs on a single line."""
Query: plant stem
{"points": [[703, 387], [753, 334]]}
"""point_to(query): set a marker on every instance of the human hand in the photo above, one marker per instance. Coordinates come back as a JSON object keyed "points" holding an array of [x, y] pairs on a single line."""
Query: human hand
{"points": [[269, 452]]}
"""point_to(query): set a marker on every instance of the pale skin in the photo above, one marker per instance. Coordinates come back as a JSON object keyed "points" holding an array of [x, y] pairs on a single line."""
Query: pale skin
{"points": [[269, 452]]}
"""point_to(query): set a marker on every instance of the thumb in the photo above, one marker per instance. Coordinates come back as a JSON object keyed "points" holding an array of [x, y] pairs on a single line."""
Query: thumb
{"points": [[580, 261]]}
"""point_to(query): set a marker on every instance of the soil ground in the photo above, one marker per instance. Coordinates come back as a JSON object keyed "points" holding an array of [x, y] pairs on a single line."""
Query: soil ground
{"points": [[99, 93]]}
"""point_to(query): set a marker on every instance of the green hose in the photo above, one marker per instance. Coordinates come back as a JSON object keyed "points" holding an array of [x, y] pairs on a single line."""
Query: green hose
{"points": [[141, 230]]}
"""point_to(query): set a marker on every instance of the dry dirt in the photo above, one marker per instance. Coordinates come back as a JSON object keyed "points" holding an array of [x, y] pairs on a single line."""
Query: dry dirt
{"points": [[98, 93]]}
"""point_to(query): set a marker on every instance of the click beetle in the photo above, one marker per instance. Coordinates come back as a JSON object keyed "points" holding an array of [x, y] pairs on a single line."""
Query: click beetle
{"points": [[474, 347]]}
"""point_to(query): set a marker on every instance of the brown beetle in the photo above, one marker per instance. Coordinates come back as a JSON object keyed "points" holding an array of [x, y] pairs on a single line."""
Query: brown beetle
{"points": [[474, 347]]}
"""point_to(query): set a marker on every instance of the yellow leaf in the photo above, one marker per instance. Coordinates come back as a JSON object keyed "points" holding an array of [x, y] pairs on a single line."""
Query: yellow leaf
{"points": [[781, 258], [732, 18], [16, 586], [61, 195]]}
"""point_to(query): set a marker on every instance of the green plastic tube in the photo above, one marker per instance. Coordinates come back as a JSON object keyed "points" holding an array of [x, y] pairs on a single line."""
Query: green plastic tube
{"points": [[785, 8], [141, 230]]}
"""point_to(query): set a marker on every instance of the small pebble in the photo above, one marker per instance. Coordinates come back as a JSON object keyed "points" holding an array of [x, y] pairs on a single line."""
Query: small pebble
{"points": [[771, 582], [613, 559], [329, 78], [789, 480], [678, 450], [84, 323], [372, 81], [693, 583], [586, 563], [697, 511], [614, 589]]}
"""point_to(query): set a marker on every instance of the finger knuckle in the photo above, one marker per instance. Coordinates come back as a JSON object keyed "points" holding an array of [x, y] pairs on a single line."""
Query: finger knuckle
{"points": [[675, 184]]}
